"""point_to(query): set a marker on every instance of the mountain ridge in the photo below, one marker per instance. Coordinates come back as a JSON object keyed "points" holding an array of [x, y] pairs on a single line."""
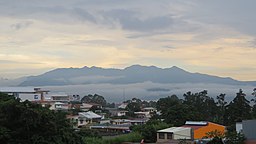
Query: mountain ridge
{"points": [[128, 75]]}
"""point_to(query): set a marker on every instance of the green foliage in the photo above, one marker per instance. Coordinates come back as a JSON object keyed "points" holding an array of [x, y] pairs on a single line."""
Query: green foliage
{"points": [[216, 140], [173, 111], [214, 134], [133, 107], [98, 99], [202, 106], [25, 122], [238, 109], [149, 130], [221, 104], [232, 137]]}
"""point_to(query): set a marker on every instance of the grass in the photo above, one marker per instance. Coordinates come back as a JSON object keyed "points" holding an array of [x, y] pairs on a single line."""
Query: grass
{"points": [[131, 137]]}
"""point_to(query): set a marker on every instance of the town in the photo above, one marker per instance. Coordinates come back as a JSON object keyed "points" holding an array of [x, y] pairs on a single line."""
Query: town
{"points": [[195, 119]]}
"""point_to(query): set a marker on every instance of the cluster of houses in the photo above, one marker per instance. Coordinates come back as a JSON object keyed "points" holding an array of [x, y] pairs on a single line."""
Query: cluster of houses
{"points": [[191, 131], [90, 115]]}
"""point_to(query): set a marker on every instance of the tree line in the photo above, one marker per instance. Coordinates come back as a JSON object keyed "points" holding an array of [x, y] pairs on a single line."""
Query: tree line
{"points": [[201, 107]]}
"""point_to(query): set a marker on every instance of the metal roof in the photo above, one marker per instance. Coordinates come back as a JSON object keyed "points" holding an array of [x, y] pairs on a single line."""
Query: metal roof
{"points": [[199, 123], [89, 115], [174, 129]]}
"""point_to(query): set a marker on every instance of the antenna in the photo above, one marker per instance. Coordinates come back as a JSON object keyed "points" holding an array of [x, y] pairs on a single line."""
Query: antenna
{"points": [[124, 94]]}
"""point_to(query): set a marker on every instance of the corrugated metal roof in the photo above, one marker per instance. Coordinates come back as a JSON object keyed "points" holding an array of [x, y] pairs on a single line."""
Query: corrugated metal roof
{"points": [[89, 115], [199, 123], [174, 129]]}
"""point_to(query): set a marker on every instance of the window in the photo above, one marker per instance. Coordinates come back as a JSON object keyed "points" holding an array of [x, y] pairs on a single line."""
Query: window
{"points": [[161, 135], [169, 135], [35, 96]]}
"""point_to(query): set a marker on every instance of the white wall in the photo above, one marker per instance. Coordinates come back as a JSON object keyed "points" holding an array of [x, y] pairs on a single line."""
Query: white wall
{"points": [[30, 97]]}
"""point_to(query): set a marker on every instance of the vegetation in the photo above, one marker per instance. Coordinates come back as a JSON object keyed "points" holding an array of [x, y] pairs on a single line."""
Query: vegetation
{"points": [[131, 137], [98, 99], [201, 107], [25, 122], [149, 130]]}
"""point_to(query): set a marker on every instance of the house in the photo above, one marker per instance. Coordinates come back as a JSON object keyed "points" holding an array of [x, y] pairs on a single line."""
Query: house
{"points": [[123, 128], [85, 107], [171, 135], [58, 97], [120, 121], [123, 106], [89, 117], [60, 106], [142, 114], [248, 128], [26, 93], [139, 121], [149, 109], [200, 128], [117, 112]]}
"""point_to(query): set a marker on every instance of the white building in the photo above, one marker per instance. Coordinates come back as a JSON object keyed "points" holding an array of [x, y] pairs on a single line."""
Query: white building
{"points": [[85, 118], [25, 93], [174, 133], [59, 106]]}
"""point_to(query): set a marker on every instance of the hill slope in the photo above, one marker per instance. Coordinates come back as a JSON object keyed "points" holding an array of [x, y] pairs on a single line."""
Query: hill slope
{"points": [[132, 74]]}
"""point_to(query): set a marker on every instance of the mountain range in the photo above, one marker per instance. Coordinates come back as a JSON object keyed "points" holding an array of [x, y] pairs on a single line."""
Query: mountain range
{"points": [[129, 75]]}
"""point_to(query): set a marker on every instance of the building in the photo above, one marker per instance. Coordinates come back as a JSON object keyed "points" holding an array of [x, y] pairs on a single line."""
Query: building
{"points": [[149, 109], [89, 117], [248, 128], [117, 112], [123, 106], [200, 128], [171, 135], [142, 114], [106, 127], [58, 97], [26, 93], [60, 106]]}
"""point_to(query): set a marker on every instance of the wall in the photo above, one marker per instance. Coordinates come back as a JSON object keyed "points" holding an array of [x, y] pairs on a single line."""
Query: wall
{"points": [[249, 129], [201, 132]]}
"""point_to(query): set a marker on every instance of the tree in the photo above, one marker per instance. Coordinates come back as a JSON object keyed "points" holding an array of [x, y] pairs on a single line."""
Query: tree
{"points": [[202, 106], [232, 137], [238, 109], [173, 111], [25, 122], [221, 104], [254, 103], [149, 130], [98, 99]]}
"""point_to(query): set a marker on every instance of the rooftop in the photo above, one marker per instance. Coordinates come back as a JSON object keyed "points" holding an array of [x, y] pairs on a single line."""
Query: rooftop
{"points": [[198, 123], [174, 129], [89, 115]]}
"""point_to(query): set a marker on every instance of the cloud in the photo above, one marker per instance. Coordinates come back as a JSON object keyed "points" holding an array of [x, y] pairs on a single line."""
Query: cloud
{"points": [[130, 20], [21, 25], [213, 37]]}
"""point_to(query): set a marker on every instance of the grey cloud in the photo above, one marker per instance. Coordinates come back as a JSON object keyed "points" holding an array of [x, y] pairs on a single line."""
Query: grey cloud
{"points": [[130, 20], [114, 93], [84, 15], [21, 25], [237, 14]]}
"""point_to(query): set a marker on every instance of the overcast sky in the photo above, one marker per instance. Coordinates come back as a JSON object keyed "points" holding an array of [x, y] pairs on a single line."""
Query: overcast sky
{"points": [[216, 37]]}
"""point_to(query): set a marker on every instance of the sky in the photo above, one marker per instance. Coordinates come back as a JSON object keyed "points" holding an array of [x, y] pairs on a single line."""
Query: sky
{"points": [[216, 37]]}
